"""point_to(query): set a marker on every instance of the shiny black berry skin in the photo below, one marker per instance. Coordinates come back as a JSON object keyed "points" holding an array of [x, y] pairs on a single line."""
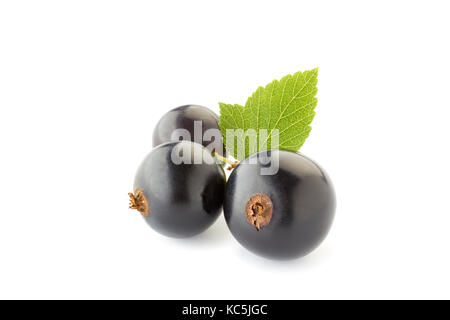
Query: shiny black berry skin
{"points": [[183, 199], [302, 205], [184, 117]]}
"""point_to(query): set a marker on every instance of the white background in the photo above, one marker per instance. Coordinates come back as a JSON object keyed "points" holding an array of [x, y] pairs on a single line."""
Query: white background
{"points": [[82, 84]]}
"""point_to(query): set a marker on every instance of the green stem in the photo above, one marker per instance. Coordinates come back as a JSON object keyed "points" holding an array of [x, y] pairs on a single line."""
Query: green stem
{"points": [[223, 159]]}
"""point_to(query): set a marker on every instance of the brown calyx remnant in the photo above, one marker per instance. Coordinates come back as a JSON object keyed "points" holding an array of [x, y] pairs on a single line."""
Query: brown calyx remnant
{"points": [[233, 165], [138, 202], [259, 210]]}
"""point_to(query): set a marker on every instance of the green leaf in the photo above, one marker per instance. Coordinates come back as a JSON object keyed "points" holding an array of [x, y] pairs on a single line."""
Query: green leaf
{"points": [[286, 105]]}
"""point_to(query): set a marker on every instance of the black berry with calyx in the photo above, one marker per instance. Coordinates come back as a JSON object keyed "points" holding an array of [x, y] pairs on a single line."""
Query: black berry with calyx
{"points": [[179, 189], [284, 215], [190, 122]]}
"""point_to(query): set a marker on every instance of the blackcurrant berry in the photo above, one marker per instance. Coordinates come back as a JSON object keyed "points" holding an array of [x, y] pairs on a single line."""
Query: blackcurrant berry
{"points": [[190, 122], [280, 216], [179, 189]]}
